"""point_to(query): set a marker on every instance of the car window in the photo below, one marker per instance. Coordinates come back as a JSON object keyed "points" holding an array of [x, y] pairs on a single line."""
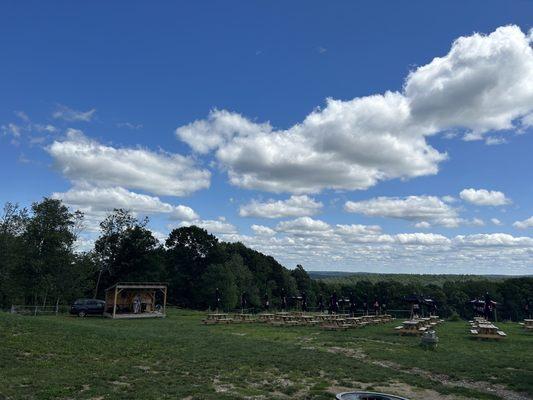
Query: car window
{"points": [[79, 302]]}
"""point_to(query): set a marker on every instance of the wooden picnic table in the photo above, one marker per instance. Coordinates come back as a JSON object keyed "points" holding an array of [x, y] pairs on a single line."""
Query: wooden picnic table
{"points": [[411, 327], [487, 331], [216, 318], [527, 324]]}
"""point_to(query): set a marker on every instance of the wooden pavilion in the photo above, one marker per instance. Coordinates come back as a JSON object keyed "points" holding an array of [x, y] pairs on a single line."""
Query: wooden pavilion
{"points": [[136, 300]]}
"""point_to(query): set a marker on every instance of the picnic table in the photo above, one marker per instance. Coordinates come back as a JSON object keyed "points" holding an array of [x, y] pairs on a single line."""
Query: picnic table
{"points": [[265, 317], [411, 327], [487, 331], [527, 324], [217, 318], [336, 324], [244, 317]]}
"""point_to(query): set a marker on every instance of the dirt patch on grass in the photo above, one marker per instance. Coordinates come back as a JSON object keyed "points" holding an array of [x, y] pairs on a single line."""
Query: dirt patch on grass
{"points": [[414, 393], [484, 387]]}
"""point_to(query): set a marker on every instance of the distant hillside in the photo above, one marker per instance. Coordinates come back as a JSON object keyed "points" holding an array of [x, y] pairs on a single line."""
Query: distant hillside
{"points": [[424, 279]]}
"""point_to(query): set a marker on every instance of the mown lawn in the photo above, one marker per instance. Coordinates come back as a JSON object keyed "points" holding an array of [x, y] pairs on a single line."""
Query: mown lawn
{"points": [[178, 357]]}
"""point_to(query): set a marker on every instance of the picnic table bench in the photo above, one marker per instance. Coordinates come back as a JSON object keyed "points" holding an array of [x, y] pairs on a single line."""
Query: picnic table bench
{"points": [[217, 318]]}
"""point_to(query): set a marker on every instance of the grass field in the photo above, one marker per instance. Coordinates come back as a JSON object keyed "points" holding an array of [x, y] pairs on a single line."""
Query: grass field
{"points": [[179, 358]]}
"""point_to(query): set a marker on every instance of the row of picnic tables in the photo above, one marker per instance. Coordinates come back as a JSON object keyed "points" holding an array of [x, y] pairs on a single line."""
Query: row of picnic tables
{"points": [[327, 321], [418, 326]]}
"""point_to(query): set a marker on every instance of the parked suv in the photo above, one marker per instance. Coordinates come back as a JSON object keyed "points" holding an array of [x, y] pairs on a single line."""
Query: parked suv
{"points": [[83, 307]]}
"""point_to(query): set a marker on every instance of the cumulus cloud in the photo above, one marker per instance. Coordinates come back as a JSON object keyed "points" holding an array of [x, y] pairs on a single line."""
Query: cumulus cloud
{"points": [[295, 206], [262, 230], [317, 244], [423, 210], [421, 239], [496, 221], [483, 84], [98, 201], [85, 161], [493, 239], [527, 223], [483, 197], [303, 225], [70, 115], [219, 227]]}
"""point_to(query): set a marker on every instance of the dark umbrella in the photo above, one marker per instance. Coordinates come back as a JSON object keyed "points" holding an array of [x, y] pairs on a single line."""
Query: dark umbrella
{"points": [[217, 299], [414, 300], [431, 305], [243, 301], [283, 300], [333, 303], [304, 301], [478, 306], [376, 306], [267, 302], [353, 304], [321, 306]]}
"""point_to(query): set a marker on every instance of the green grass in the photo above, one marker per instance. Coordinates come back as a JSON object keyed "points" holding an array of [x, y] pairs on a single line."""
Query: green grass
{"points": [[178, 357]]}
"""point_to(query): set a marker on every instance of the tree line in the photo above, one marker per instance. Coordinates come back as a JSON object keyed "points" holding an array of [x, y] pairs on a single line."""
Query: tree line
{"points": [[40, 264]]}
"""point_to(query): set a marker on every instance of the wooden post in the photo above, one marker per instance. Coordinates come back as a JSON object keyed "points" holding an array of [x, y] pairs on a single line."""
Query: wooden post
{"points": [[165, 302], [115, 303]]}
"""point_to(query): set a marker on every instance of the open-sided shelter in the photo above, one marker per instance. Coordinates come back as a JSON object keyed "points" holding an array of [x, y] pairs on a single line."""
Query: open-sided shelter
{"points": [[136, 300]]}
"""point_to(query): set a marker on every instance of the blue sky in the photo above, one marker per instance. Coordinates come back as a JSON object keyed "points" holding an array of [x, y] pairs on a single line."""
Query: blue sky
{"points": [[216, 114]]}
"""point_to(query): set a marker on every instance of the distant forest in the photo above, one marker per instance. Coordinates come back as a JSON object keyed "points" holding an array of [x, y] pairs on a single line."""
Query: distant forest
{"points": [[422, 279], [39, 264]]}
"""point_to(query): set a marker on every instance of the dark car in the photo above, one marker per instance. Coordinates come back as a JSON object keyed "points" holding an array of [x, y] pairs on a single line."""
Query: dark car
{"points": [[83, 307]]}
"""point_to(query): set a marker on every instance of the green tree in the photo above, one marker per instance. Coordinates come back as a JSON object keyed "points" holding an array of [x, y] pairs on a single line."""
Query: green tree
{"points": [[126, 251], [48, 238]]}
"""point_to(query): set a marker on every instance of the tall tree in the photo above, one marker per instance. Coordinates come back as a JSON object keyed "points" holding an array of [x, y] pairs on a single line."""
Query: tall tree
{"points": [[48, 238], [126, 251], [190, 250]]}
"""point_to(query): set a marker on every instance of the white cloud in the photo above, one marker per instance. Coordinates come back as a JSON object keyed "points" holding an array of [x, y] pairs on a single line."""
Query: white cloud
{"points": [[303, 225], [219, 226], [318, 245], [449, 199], [83, 161], [496, 221], [129, 125], [483, 84], [527, 223], [477, 222], [424, 210], [357, 229], [22, 115], [295, 206], [483, 197], [493, 239], [68, 114], [12, 129], [262, 230], [98, 201], [421, 239], [44, 128]]}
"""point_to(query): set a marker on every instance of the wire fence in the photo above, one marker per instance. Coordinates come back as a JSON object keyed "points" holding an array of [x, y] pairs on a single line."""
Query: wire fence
{"points": [[36, 310]]}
